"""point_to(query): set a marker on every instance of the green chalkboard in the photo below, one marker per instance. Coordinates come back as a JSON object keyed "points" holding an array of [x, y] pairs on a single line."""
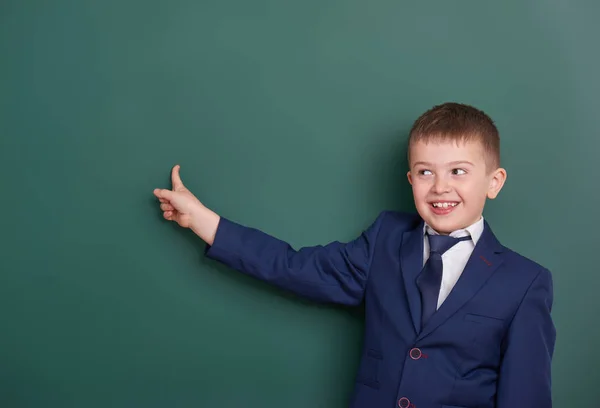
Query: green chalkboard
{"points": [[288, 116]]}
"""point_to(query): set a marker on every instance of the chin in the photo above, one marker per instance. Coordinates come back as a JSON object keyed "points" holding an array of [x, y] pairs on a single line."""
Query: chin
{"points": [[443, 224], [445, 228]]}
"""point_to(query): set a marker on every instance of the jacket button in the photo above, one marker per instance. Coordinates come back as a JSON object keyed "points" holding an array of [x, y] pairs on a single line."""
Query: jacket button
{"points": [[415, 353], [403, 402]]}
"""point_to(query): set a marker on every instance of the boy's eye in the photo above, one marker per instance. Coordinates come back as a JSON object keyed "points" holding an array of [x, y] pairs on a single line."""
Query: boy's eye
{"points": [[458, 172], [425, 172]]}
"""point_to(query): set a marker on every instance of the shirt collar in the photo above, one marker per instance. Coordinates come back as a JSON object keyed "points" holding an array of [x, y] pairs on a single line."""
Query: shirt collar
{"points": [[474, 230]]}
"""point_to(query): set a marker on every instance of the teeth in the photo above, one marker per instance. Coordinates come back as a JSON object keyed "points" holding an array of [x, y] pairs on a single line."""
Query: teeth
{"points": [[444, 205]]}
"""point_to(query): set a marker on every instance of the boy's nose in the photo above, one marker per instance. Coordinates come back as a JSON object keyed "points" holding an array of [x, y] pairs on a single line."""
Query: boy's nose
{"points": [[441, 185]]}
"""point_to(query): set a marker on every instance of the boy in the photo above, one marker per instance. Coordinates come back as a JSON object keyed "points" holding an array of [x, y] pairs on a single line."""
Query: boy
{"points": [[453, 318]]}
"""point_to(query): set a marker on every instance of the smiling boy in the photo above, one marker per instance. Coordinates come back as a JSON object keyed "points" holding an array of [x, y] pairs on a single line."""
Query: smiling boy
{"points": [[453, 319]]}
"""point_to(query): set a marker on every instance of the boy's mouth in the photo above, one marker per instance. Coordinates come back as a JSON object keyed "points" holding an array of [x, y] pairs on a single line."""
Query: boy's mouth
{"points": [[443, 207]]}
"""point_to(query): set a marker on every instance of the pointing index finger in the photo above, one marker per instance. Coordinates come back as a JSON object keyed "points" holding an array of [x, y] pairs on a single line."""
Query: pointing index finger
{"points": [[163, 194]]}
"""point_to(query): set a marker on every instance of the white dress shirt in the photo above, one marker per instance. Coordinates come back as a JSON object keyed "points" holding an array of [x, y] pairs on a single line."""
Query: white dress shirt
{"points": [[454, 259]]}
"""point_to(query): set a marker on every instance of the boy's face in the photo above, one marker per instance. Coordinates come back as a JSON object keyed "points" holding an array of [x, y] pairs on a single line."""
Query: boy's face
{"points": [[450, 183]]}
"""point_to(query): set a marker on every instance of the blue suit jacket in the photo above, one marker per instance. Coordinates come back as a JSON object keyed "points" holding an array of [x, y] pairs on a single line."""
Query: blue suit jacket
{"points": [[490, 343]]}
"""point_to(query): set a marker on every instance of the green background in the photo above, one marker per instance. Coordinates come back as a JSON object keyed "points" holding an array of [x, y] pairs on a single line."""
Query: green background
{"points": [[290, 116]]}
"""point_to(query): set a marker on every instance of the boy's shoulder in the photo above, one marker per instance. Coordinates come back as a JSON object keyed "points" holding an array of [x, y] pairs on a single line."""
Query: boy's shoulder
{"points": [[515, 260], [405, 220], [523, 266], [517, 267]]}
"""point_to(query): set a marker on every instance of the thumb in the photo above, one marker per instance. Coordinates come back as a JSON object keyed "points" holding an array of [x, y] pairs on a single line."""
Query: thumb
{"points": [[176, 182]]}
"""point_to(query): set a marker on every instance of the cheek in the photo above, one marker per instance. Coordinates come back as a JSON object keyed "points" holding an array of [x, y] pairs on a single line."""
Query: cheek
{"points": [[474, 192], [420, 190]]}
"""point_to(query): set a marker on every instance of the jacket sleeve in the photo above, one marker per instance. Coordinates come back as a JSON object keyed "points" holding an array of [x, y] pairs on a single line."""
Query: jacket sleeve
{"points": [[525, 372], [335, 273]]}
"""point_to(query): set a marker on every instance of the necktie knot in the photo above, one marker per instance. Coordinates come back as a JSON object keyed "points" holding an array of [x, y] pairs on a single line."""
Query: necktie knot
{"points": [[441, 243]]}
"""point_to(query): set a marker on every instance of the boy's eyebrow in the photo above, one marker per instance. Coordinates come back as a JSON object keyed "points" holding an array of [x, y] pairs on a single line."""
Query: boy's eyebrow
{"points": [[454, 163], [421, 163]]}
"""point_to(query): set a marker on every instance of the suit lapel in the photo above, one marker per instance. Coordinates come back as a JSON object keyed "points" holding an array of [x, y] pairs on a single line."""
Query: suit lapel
{"points": [[481, 265], [411, 262]]}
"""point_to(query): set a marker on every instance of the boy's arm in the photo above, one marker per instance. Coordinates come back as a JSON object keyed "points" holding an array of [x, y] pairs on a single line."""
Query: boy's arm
{"points": [[525, 372], [336, 272]]}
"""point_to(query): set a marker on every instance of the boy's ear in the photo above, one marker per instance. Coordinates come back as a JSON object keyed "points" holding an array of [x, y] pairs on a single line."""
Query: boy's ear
{"points": [[409, 176], [497, 179]]}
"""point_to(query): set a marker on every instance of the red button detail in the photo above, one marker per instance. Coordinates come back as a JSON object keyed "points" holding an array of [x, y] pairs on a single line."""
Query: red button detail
{"points": [[403, 402], [415, 353]]}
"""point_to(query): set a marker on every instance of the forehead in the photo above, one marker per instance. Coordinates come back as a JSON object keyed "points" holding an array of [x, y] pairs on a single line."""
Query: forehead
{"points": [[441, 152]]}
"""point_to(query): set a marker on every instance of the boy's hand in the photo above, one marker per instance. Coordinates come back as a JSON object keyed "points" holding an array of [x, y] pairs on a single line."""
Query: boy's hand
{"points": [[181, 206], [178, 204]]}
